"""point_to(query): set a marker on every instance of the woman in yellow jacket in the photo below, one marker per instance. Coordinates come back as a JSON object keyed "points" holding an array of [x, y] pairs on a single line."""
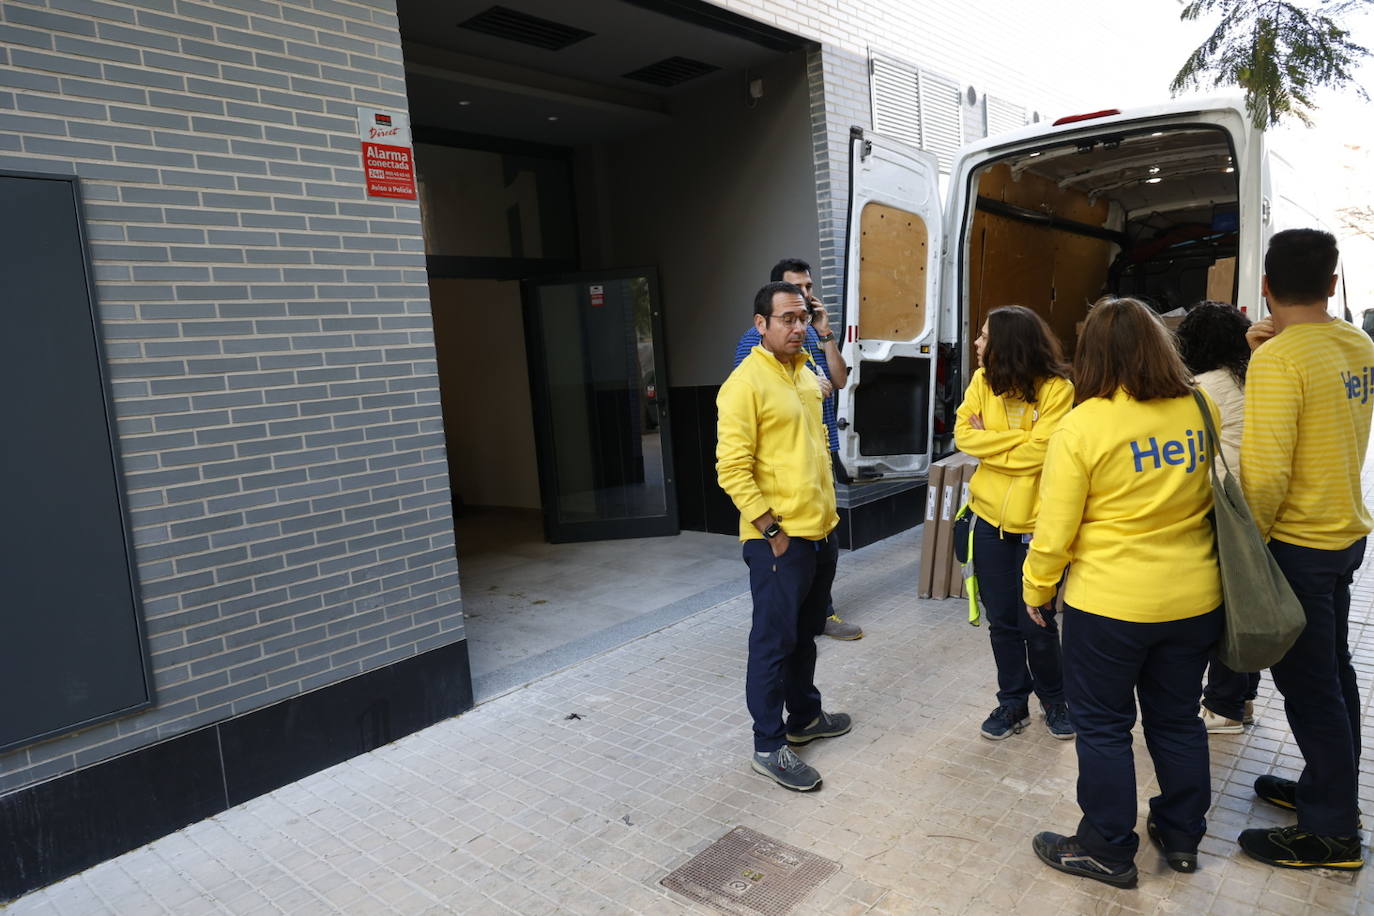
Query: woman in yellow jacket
{"points": [[1124, 498], [1014, 401]]}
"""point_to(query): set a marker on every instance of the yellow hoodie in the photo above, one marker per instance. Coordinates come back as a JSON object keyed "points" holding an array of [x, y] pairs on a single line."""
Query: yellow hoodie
{"points": [[1124, 498], [1005, 490], [771, 447]]}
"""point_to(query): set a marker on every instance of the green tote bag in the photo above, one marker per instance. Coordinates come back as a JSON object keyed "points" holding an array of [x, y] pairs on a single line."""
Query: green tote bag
{"points": [[1263, 616]]}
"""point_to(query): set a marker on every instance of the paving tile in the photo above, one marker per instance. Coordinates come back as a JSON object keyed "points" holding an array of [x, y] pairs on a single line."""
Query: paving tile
{"points": [[512, 808]]}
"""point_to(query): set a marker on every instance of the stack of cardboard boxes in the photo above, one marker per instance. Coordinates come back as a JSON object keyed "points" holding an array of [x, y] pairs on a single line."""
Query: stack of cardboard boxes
{"points": [[945, 493]]}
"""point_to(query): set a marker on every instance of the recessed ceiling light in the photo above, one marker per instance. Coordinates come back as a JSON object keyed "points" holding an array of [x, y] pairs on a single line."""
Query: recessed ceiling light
{"points": [[1158, 133], [553, 117], [1154, 170], [464, 102], [1033, 155], [1229, 169], [1153, 180]]}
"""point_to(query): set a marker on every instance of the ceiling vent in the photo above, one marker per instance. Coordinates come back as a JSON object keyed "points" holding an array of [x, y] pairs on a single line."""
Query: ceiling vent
{"points": [[513, 25], [671, 71]]}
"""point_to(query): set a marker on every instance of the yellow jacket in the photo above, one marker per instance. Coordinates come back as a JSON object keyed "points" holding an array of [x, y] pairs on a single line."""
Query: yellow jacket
{"points": [[1124, 498], [1309, 396], [771, 448], [1005, 490]]}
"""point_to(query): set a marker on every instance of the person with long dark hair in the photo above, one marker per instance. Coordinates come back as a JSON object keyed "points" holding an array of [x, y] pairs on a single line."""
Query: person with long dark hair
{"points": [[1125, 497], [1015, 399], [1212, 343]]}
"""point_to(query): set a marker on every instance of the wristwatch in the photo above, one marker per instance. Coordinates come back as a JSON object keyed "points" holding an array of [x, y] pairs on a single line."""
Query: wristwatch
{"points": [[772, 530], [829, 336]]}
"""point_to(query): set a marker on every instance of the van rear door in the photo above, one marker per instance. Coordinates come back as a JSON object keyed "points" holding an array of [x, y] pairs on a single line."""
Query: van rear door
{"points": [[892, 307]]}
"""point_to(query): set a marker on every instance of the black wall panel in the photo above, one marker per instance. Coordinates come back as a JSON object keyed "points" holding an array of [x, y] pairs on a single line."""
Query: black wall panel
{"points": [[73, 643]]}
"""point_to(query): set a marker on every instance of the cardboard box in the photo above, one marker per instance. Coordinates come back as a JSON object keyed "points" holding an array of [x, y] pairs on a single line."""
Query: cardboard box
{"points": [[951, 487], [937, 473], [1221, 279]]}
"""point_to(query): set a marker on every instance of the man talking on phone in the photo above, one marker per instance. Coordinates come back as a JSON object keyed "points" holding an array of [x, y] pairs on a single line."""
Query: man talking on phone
{"points": [[773, 463], [832, 373]]}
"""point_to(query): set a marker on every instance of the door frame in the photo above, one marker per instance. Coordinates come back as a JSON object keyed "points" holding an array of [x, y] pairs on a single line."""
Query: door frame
{"points": [[556, 531]]}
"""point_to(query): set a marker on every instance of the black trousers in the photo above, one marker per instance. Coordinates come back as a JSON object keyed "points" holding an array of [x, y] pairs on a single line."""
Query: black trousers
{"points": [[791, 594], [1027, 656], [1318, 685], [1227, 690], [1108, 663]]}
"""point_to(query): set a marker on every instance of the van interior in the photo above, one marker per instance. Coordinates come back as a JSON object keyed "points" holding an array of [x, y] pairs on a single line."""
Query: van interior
{"points": [[1150, 214]]}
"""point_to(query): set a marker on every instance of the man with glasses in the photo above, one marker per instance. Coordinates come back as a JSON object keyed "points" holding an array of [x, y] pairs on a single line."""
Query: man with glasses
{"points": [[832, 372], [772, 460]]}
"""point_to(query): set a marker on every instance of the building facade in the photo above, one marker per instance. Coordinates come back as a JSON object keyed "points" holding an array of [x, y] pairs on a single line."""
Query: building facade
{"points": [[266, 330]]}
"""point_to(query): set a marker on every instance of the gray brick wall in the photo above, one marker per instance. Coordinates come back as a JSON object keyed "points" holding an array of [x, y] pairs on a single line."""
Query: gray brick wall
{"points": [[268, 335], [839, 100]]}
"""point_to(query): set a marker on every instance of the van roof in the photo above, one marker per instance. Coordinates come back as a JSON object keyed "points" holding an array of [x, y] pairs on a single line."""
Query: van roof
{"points": [[1171, 109]]}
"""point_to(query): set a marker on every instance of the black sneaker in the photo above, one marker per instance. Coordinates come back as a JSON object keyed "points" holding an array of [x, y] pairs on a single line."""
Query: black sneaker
{"points": [[1185, 862], [826, 725], [1284, 793], [1066, 854], [1057, 721], [1277, 791], [1293, 847], [1005, 721], [787, 770]]}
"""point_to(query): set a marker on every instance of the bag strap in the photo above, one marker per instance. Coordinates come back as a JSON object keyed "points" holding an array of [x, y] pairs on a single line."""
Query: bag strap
{"points": [[1213, 440], [971, 579]]}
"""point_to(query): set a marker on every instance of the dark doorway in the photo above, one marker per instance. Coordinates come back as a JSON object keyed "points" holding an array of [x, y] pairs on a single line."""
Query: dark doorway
{"points": [[595, 345]]}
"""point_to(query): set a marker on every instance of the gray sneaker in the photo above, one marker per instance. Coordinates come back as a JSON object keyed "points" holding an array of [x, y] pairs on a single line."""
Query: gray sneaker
{"points": [[837, 628], [826, 725], [785, 768]]}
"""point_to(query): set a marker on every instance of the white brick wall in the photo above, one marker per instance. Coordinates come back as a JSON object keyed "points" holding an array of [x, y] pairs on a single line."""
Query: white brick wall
{"points": [[1054, 56], [269, 341]]}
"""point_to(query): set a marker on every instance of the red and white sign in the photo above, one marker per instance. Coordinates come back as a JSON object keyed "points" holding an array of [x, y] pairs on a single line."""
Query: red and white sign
{"points": [[388, 157], [598, 295]]}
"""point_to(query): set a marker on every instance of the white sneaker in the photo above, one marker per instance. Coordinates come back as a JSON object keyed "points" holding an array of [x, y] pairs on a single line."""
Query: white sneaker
{"points": [[1220, 725]]}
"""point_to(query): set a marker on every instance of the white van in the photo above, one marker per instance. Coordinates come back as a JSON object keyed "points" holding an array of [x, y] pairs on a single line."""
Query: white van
{"points": [[1140, 203]]}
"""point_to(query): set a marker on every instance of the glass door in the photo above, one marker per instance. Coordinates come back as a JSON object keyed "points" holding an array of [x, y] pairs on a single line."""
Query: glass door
{"points": [[595, 349]]}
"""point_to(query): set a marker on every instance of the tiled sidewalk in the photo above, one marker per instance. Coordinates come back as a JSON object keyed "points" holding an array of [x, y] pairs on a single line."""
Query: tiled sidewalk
{"points": [[516, 807]]}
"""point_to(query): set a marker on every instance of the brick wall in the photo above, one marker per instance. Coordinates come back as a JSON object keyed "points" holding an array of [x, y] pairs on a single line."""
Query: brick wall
{"points": [[268, 335], [1050, 57], [839, 100]]}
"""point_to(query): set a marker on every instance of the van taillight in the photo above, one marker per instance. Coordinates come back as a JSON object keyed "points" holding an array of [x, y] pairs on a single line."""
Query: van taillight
{"points": [[1069, 119]]}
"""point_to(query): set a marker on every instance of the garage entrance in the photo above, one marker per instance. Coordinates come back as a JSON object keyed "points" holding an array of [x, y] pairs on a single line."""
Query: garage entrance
{"points": [[603, 187]]}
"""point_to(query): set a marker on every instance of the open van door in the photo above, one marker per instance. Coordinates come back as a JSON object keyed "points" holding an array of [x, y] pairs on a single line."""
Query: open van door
{"points": [[892, 308]]}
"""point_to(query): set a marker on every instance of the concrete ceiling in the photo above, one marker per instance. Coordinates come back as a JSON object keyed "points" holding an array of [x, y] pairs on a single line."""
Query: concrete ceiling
{"points": [[571, 96]]}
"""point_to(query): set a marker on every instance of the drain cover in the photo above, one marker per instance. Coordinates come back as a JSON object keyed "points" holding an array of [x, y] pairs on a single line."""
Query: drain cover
{"points": [[745, 872]]}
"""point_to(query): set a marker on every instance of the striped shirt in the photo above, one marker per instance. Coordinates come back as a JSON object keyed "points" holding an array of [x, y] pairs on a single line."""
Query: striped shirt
{"points": [[752, 339], [1309, 395]]}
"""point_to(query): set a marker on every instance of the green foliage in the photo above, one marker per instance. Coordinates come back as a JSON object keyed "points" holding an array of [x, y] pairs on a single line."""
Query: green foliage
{"points": [[1278, 52]]}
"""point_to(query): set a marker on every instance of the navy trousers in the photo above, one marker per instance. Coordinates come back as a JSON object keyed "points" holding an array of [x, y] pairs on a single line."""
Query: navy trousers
{"points": [[1027, 656], [1227, 690], [1107, 664], [791, 596], [1318, 685]]}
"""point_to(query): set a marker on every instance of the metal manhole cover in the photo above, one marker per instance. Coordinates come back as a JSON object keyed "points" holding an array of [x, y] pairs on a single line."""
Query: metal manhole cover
{"points": [[745, 872]]}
